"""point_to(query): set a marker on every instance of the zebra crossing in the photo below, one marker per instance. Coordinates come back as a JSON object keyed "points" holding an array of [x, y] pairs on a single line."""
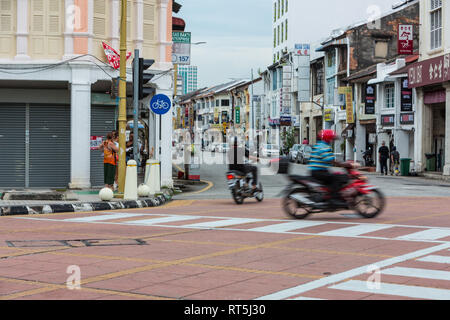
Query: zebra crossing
{"points": [[338, 229]]}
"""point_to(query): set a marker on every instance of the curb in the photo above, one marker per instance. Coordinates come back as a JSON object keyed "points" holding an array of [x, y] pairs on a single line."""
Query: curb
{"points": [[87, 206]]}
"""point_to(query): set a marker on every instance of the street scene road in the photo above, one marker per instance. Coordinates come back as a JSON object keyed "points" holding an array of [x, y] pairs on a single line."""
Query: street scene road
{"points": [[204, 246]]}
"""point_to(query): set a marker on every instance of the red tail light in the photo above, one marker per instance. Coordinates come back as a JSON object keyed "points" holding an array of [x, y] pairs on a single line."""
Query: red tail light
{"points": [[230, 177]]}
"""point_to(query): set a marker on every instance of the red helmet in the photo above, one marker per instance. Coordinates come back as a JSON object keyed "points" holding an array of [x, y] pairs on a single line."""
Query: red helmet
{"points": [[327, 135]]}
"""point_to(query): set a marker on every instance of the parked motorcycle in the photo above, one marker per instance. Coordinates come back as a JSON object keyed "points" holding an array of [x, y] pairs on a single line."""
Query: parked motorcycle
{"points": [[240, 185], [305, 196], [368, 157]]}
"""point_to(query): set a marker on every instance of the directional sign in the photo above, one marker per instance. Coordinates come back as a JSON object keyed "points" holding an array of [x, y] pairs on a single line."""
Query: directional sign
{"points": [[160, 104], [181, 49]]}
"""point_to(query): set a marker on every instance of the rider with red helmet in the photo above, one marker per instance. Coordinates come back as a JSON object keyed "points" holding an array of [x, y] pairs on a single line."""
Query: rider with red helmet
{"points": [[322, 159]]}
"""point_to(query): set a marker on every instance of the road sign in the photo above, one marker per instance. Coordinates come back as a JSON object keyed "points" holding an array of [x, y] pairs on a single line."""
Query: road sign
{"points": [[160, 104], [238, 115], [181, 49]]}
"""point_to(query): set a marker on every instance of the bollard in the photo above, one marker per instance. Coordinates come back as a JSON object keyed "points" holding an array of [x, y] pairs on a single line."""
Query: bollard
{"points": [[153, 179], [147, 171], [106, 194], [130, 192]]}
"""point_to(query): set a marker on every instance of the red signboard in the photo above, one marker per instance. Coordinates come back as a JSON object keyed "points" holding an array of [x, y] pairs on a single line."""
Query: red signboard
{"points": [[431, 71], [405, 39]]}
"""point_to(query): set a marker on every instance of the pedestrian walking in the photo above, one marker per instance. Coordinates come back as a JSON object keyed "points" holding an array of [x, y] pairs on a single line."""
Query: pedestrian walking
{"points": [[395, 160], [383, 157], [109, 160], [306, 141]]}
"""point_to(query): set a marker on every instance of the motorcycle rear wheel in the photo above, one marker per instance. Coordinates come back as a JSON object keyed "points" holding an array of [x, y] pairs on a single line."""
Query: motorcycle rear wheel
{"points": [[370, 205], [237, 197], [294, 209]]}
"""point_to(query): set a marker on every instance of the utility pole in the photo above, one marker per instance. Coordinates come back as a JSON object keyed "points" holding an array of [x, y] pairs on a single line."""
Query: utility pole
{"points": [[136, 150], [122, 97]]}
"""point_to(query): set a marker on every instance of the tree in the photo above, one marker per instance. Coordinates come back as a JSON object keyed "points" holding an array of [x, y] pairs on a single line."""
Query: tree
{"points": [[288, 138]]}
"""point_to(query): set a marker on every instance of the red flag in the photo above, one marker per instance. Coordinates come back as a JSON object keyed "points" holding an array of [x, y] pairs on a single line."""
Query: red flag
{"points": [[113, 56]]}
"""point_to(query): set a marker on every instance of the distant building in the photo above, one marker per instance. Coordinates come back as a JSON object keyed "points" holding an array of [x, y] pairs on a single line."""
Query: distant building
{"points": [[189, 76]]}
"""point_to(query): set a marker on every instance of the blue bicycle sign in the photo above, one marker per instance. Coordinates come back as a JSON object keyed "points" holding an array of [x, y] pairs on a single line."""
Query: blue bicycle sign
{"points": [[160, 104]]}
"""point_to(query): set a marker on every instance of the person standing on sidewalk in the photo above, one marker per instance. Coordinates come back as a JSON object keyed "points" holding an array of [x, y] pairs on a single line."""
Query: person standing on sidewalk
{"points": [[395, 160], [383, 157], [116, 142], [109, 160]]}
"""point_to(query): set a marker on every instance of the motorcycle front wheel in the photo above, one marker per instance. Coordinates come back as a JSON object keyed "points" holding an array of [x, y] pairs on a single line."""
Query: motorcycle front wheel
{"points": [[370, 205], [259, 196], [293, 208]]}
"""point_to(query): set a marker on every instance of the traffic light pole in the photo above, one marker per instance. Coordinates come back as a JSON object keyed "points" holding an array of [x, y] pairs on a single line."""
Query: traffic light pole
{"points": [[122, 97], [136, 104]]}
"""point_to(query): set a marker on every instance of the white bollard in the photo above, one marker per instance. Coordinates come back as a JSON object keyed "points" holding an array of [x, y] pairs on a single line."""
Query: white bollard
{"points": [[147, 171], [130, 192], [153, 179], [143, 190], [106, 194]]}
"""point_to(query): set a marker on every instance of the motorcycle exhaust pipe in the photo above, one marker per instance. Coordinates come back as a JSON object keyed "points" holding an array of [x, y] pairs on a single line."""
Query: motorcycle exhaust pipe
{"points": [[301, 199]]}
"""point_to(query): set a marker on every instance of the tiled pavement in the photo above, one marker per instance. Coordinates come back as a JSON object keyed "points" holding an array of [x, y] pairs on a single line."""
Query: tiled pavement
{"points": [[214, 250]]}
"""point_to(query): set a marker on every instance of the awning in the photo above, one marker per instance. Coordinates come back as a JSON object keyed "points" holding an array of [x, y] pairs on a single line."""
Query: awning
{"points": [[380, 80]]}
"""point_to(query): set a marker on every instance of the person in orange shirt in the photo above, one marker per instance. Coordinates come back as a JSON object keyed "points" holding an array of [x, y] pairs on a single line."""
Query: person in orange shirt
{"points": [[110, 151]]}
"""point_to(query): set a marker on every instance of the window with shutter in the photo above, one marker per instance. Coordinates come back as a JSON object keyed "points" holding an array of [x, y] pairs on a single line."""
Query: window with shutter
{"points": [[6, 16], [37, 20], [149, 20], [53, 23], [99, 18]]}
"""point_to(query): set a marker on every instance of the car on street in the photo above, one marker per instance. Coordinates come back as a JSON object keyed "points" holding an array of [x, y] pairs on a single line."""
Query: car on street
{"points": [[293, 152], [270, 150], [222, 148], [304, 154]]}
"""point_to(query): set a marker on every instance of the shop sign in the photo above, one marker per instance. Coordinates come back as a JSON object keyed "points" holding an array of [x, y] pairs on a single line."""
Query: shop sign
{"points": [[407, 118], [328, 115], [285, 121], [406, 96], [370, 99], [274, 122], [238, 115], [405, 39], [387, 119], [431, 71], [434, 97], [112, 56], [302, 49]]}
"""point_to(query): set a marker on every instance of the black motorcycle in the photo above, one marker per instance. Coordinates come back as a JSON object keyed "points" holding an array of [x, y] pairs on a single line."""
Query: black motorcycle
{"points": [[368, 157], [240, 185]]}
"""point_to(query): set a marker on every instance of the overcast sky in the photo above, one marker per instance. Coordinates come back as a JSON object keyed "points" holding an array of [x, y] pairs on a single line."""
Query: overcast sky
{"points": [[239, 32]]}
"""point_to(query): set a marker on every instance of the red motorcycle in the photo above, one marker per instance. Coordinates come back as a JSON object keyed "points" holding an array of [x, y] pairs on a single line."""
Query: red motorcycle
{"points": [[305, 196]]}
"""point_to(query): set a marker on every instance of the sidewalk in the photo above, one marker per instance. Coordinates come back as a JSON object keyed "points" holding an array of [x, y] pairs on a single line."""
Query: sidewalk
{"points": [[43, 201]]}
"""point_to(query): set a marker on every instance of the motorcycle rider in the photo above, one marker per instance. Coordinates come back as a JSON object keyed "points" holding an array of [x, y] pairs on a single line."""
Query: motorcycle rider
{"points": [[321, 160], [236, 162]]}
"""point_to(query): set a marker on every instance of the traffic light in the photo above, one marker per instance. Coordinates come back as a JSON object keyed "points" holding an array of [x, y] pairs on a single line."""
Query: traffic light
{"points": [[144, 64]]}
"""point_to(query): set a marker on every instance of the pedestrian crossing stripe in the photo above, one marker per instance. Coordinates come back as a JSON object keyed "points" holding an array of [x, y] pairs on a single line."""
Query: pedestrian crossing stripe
{"points": [[417, 273], [435, 259], [344, 229]]}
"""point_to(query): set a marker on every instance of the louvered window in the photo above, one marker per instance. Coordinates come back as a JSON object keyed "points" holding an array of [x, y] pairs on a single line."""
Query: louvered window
{"points": [[149, 20], [6, 16], [46, 17], [37, 21], [100, 18]]}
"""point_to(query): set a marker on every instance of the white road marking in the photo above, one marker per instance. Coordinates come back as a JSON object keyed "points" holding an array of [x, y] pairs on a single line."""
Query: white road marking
{"points": [[355, 230], [104, 217], [435, 259], [417, 273], [283, 294], [285, 227], [220, 223], [431, 234], [306, 298], [395, 290], [154, 221]]}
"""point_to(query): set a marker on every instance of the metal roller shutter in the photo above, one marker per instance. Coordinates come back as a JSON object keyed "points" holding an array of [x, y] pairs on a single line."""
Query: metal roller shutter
{"points": [[49, 146], [12, 146], [102, 122]]}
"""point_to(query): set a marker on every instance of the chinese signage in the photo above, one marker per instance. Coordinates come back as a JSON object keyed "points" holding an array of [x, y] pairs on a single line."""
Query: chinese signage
{"points": [[303, 49], [407, 118], [431, 71], [387, 119], [370, 99], [181, 48], [348, 93], [238, 115], [406, 96], [405, 39]]}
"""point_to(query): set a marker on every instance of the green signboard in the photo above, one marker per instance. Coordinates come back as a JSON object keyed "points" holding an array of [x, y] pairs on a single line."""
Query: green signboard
{"points": [[238, 115], [181, 48]]}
